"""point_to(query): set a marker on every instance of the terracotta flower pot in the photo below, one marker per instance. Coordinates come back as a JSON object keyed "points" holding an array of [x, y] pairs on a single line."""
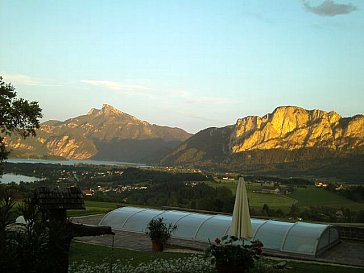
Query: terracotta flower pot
{"points": [[157, 246]]}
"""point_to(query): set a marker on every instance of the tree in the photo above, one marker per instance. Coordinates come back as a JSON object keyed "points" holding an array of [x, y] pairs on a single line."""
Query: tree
{"points": [[266, 210], [294, 210], [22, 117], [17, 115]]}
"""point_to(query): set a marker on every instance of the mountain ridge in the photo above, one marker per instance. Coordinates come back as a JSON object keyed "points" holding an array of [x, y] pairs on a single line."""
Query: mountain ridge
{"points": [[288, 135], [294, 128], [304, 140], [87, 136]]}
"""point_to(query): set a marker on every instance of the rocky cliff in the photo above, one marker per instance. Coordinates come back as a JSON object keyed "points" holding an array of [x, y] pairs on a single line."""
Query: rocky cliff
{"points": [[293, 128], [104, 134], [288, 135]]}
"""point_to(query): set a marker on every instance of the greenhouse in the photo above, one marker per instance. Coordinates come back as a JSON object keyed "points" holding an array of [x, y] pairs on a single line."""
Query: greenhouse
{"points": [[286, 237]]}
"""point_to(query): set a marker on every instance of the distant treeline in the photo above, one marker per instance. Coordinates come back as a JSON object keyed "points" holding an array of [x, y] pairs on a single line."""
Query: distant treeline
{"points": [[315, 162], [137, 175], [312, 213], [286, 181]]}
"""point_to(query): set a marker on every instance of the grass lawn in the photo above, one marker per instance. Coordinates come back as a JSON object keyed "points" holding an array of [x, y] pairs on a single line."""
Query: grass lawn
{"points": [[98, 254], [304, 197], [94, 255], [274, 201], [312, 196], [93, 207], [257, 200]]}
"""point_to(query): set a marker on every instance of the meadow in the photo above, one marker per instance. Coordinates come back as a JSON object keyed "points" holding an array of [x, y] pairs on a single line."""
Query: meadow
{"points": [[312, 196], [93, 207], [304, 197]]}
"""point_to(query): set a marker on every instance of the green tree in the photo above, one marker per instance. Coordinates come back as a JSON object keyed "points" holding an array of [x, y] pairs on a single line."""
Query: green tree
{"points": [[17, 115], [294, 210], [265, 210]]}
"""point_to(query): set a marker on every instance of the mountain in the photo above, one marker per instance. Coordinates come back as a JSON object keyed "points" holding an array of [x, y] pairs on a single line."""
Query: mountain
{"points": [[290, 140], [101, 134]]}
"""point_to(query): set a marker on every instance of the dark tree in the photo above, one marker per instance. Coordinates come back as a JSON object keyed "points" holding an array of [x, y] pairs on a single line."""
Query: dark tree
{"points": [[294, 210], [266, 210], [21, 117], [17, 115]]}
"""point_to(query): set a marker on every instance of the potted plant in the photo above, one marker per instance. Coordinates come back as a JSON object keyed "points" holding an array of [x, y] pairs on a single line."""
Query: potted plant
{"points": [[231, 256], [159, 232]]}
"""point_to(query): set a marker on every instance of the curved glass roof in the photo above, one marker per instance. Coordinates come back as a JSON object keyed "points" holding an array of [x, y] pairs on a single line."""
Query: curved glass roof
{"points": [[299, 237]]}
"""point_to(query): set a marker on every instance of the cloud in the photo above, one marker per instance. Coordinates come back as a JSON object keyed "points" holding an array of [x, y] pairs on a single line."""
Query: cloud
{"points": [[330, 8], [21, 79], [181, 96], [116, 85]]}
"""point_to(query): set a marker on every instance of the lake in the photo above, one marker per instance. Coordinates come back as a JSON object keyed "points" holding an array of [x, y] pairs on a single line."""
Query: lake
{"points": [[10, 177], [75, 162], [17, 178]]}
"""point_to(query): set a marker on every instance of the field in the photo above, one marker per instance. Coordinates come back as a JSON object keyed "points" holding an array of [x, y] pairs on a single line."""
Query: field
{"points": [[303, 197], [93, 207], [274, 201], [97, 207], [312, 196], [95, 256], [257, 200]]}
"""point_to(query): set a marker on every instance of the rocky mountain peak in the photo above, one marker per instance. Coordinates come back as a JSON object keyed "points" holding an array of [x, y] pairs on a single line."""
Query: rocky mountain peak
{"points": [[289, 118], [291, 127], [334, 117], [106, 134], [309, 140], [93, 111], [108, 109]]}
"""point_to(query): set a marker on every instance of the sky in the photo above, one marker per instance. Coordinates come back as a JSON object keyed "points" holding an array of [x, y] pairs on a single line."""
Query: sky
{"points": [[191, 64]]}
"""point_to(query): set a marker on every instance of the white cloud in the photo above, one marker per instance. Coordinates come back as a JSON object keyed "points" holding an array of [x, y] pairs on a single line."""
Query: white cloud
{"points": [[21, 79], [116, 85], [169, 96]]}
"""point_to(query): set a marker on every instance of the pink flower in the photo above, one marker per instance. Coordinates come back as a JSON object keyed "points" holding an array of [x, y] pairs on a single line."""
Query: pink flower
{"points": [[217, 241], [258, 250]]}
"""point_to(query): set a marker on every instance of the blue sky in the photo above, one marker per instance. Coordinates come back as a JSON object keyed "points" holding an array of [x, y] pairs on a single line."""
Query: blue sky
{"points": [[188, 63]]}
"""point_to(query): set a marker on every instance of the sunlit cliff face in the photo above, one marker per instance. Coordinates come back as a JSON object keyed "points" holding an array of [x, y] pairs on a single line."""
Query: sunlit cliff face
{"points": [[294, 128]]}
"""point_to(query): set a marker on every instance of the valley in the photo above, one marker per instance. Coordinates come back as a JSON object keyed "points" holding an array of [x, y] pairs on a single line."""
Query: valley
{"points": [[158, 187], [289, 142]]}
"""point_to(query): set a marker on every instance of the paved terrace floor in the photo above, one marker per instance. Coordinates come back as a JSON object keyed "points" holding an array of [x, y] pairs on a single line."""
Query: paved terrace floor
{"points": [[346, 252]]}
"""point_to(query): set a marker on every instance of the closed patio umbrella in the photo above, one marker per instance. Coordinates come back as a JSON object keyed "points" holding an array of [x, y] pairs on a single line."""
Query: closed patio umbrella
{"points": [[241, 226]]}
